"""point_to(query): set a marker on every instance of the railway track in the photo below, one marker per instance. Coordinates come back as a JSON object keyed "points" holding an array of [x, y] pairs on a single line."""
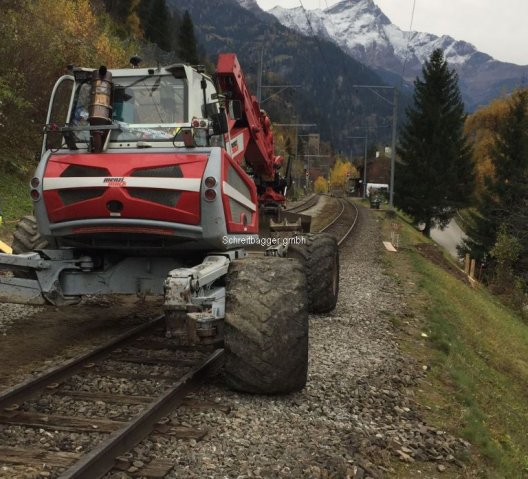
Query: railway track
{"points": [[140, 374], [344, 222], [140, 361], [309, 203]]}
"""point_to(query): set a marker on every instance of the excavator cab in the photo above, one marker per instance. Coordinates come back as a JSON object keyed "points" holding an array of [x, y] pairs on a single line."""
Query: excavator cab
{"points": [[140, 161], [139, 105]]}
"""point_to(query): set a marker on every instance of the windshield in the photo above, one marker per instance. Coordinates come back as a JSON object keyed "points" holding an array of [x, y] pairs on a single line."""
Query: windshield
{"points": [[144, 108]]}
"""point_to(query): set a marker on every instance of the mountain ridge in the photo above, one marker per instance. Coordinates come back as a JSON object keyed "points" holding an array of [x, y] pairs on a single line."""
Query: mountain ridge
{"points": [[323, 71], [364, 32]]}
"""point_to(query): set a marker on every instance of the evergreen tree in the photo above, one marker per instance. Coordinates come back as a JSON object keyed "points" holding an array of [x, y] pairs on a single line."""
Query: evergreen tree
{"points": [[156, 21], [187, 47], [435, 175], [503, 206], [125, 15], [119, 9]]}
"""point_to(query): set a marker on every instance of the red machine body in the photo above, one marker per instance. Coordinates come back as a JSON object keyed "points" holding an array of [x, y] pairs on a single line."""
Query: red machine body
{"points": [[183, 176], [256, 135]]}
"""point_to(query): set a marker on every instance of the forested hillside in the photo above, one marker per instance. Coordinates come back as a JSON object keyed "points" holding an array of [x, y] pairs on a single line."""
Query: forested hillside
{"points": [[91, 33], [326, 75], [37, 42]]}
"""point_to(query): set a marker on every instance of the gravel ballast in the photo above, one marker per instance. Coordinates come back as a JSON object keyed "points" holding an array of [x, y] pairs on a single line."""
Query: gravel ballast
{"points": [[9, 313], [355, 416], [356, 412]]}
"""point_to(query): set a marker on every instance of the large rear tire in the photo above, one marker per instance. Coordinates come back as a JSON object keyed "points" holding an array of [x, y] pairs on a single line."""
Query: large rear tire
{"points": [[319, 255], [26, 237], [266, 326]]}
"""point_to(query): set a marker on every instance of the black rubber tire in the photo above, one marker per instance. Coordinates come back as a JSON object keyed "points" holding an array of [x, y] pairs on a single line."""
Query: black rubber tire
{"points": [[26, 237], [266, 326], [319, 255]]}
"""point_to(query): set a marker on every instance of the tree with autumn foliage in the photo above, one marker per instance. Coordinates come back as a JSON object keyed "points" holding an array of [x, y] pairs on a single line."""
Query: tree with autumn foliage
{"points": [[503, 204], [126, 15], [481, 128], [321, 185], [56, 33], [341, 171], [187, 44], [435, 174]]}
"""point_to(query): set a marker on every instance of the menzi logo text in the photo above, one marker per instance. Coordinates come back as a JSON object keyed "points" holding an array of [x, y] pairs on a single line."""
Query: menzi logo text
{"points": [[115, 181]]}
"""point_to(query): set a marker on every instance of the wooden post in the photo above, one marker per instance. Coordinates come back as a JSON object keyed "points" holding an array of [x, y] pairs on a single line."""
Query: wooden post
{"points": [[472, 269], [466, 263]]}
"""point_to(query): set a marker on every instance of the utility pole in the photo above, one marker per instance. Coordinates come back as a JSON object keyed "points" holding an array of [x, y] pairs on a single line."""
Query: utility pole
{"points": [[307, 176], [313, 156], [311, 135], [393, 147], [365, 164], [297, 126], [366, 137], [394, 104]]}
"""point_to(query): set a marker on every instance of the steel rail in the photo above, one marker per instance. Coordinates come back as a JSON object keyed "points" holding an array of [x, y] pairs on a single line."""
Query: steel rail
{"points": [[334, 221], [351, 227], [101, 459], [304, 206], [28, 388]]}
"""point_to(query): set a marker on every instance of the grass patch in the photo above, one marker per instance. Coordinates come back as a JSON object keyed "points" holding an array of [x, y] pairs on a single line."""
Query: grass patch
{"points": [[477, 354], [14, 201]]}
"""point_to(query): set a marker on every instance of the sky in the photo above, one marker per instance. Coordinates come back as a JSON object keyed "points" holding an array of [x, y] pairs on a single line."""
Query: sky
{"points": [[498, 28]]}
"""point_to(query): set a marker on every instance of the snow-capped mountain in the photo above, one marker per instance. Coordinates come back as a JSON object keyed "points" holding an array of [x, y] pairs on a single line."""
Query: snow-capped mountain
{"points": [[363, 31], [249, 4], [323, 96]]}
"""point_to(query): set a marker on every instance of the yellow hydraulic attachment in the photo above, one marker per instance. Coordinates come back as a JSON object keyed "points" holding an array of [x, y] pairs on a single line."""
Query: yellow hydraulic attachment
{"points": [[5, 248]]}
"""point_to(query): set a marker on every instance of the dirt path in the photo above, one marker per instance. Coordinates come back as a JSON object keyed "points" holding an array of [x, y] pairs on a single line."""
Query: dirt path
{"points": [[34, 338]]}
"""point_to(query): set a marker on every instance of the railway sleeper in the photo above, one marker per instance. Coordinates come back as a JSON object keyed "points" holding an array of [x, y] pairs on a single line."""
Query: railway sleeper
{"points": [[205, 304]]}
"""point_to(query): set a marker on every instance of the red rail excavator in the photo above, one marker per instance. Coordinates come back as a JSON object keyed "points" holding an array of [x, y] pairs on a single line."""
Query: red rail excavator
{"points": [[163, 181]]}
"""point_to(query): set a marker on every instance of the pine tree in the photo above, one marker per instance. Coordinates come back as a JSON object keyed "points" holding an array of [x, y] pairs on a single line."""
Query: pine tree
{"points": [[156, 21], [187, 46], [435, 175], [119, 9], [503, 206]]}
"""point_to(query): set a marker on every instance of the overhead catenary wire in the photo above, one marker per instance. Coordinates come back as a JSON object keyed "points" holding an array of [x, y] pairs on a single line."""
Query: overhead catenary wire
{"points": [[344, 69], [409, 33]]}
